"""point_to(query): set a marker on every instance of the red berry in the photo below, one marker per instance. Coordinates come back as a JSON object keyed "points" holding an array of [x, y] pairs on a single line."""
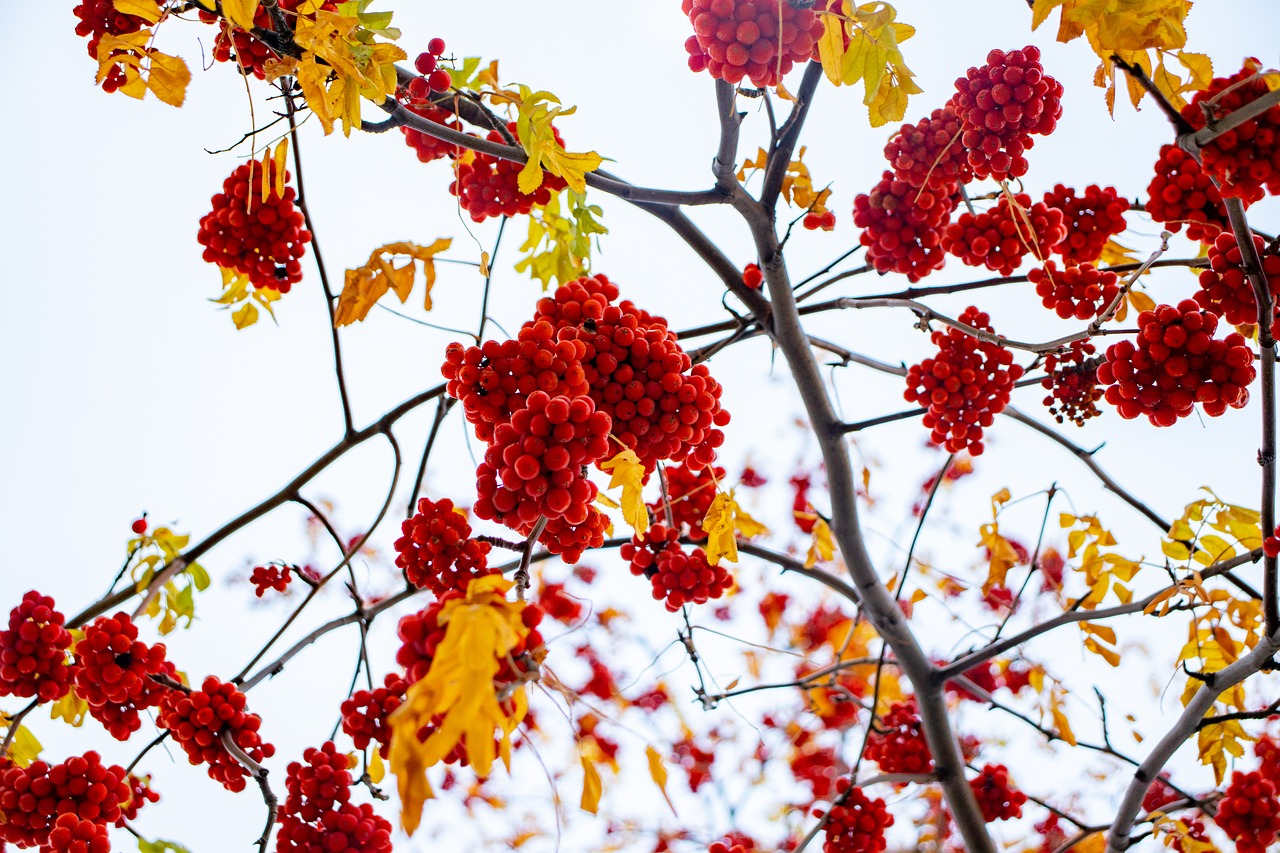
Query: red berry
{"points": [[1090, 219], [758, 39], [436, 46], [439, 80], [856, 823], [1225, 288], [198, 722], [1249, 812], [997, 798], [897, 743], [1182, 194], [425, 63], [114, 673], [1080, 292], [139, 526], [1072, 380], [1002, 237], [752, 276]]}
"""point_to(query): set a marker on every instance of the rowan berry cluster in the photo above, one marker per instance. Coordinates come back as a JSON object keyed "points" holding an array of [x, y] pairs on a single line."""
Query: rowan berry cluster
{"points": [[80, 790], [33, 651], [1080, 292], [140, 794], [1249, 812], [198, 721], [264, 578], [487, 186], [1225, 288], [756, 39], [819, 220], [690, 491], [1090, 218], [1001, 105], [1245, 161], [997, 798], [364, 714], [856, 823], [897, 742], [1071, 377], [318, 814], [437, 552], [1003, 236], [261, 238], [114, 673], [1182, 194], [1174, 364], [930, 154], [964, 386], [434, 78], [902, 227], [100, 18]]}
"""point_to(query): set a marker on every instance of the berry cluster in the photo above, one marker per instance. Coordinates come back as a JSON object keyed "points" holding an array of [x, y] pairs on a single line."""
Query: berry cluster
{"points": [[1001, 237], [997, 798], [1159, 794], [261, 239], [662, 405], [1071, 378], [317, 814], [1245, 161], [73, 834], [114, 673], [1182, 194], [436, 551], [1174, 364], [364, 715], [99, 18], [929, 154], [897, 743], [902, 226], [756, 39], [1001, 105], [198, 721], [80, 789], [753, 276], [819, 220], [1090, 218], [495, 379], [427, 147], [964, 386], [678, 577], [856, 823], [434, 78], [1249, 812], [1081, 292], [690, 491], [1225, 288], [33, 651], [570, 541], [264, 578], [140, 794], [487, 186], [248, 53]]}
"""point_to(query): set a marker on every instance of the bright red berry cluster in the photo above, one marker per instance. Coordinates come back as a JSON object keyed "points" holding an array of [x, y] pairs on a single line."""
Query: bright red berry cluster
{"points": [[641, 553], [264, 578], [997, 798], [1249, 812], [964, 386], [318, 817], [434, 78], [427, 147], [1001, 105], [1090, 218], [114, 673], [364, 715], [1182, 194], [1225, 288], [496, 378], [691, 489], [930, 153], [488, 186], [436, 551], [1071, 378], [81, 788], [1245, 161], [902, 227], [663, 406], [140, 794], [199, 720], [261, 239], [1081, 292], [756, 39], [1159, 794], [33, 651], [856, 823], [1000, 238], [100, 18], [248, 53], [752, 276], [819, 220], [897, 742], [72, 834], [1174, 364], [678, 577]]}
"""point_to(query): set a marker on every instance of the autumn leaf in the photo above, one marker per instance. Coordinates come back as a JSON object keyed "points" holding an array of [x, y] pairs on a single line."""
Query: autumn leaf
{"points": [[148, 10], [591, 786], [458, 695], [658, 773], [628, 472], [861, 45], [145, 68], [559, 246], [724, 519], [823, 547], [23, 747], [239, 293], [342, 64], [365, 285], [240, 12], [71, 709], [1001, 554], [533, 127]]}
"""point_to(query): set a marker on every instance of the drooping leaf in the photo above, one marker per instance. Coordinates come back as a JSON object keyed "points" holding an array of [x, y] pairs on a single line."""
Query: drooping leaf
{"points": [[724, 519], [538, 139], [823, 547], [148, 10], [365, 285], [354, 66], [145, 68], [658, 773], [559, 246], [628, 471], [592, 788], [240, 12], [861, 45]]}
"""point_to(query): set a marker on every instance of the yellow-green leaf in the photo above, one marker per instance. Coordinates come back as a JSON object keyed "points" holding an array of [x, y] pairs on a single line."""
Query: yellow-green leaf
{"points": [[628, 471]]}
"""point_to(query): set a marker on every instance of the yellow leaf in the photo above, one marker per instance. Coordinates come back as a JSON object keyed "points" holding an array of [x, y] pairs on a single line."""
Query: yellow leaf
{"points": [[377, 767], [1061, 723], [1141, 302], [148, 10], [823, 547], [240, 12], [1175, 550], [719, 524], [628, 472], [831, 48], [24, 748], [533, 126], [280, 156], [1116, 253], [591, 787], [70, 709], [168, 78], [246, 316], [365, 285], [458, 695], [658, 773]]}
